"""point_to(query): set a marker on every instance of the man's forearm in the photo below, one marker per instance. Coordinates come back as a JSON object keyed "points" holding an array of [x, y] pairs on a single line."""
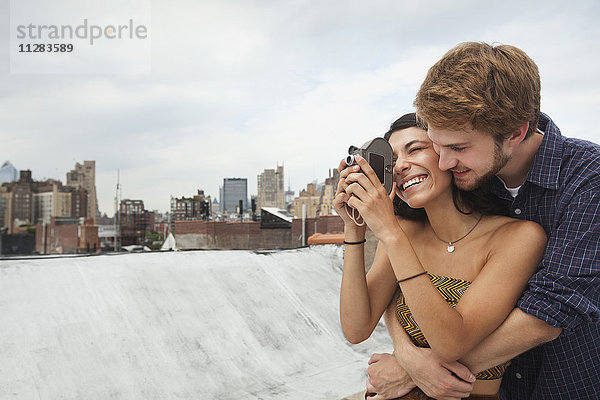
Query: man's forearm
{"points": [[517, 334], [438, 379]]}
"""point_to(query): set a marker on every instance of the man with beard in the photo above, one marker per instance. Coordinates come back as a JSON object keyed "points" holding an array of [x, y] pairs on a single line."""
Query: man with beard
{"points": [[481, 105]]}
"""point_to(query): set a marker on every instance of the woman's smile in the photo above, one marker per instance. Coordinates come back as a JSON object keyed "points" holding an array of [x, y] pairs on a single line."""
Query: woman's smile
{"points": [[411, 182]]}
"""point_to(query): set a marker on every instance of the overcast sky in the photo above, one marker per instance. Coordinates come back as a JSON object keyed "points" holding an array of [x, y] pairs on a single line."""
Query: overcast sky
{"points": [[237, 87]]}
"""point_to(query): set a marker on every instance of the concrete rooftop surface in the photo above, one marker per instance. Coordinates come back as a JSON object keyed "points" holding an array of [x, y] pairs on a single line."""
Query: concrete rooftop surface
{"points": [[179, 325]]}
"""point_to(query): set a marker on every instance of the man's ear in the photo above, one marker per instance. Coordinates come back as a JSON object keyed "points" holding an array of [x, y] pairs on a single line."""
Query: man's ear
{"points": [[518, 135]]}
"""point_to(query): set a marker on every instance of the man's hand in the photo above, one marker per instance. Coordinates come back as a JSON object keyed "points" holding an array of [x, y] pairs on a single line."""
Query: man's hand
{"points": [[387, 378], [436, 378]]}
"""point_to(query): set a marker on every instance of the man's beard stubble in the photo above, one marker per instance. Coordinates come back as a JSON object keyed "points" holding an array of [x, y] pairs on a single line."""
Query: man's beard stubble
{"points": [[499, 161]]}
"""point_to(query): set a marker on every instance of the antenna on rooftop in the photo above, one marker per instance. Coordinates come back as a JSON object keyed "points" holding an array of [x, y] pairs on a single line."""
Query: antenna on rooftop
{"points": [[117, 221]]}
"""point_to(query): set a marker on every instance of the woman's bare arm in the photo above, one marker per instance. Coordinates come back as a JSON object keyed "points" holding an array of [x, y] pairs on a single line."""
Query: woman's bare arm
{"points": [[450, 332], [363, 299]]}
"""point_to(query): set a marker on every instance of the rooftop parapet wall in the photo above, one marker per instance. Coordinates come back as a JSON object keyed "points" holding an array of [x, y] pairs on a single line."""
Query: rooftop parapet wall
{"points": [[249, 236], [230, 235], [323, 224]]}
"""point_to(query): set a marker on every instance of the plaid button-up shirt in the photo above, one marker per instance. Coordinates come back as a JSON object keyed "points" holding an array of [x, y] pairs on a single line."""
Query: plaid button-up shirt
{"points": [[562, 194]]}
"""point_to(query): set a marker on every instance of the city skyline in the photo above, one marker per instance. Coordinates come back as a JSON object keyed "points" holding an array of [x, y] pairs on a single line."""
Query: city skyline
{"points": [[239, 87], [213, 196]]}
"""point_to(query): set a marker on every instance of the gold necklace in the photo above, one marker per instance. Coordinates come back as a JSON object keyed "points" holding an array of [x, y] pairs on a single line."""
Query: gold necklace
{"points": [[451, 243]]}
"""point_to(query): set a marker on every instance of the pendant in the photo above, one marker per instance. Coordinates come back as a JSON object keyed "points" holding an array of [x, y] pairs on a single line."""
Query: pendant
{"points": [[450, 247]]}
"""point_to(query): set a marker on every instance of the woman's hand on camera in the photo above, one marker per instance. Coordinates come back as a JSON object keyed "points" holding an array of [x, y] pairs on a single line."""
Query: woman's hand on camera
{"points": [[365, 193], [341, 198]]}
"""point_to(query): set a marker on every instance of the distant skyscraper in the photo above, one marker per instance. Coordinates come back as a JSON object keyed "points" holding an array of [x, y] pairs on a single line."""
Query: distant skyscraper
{"points": [[85, 176], [22, 206], [290, 195], [270, 188], [233, 190], [215, 206], [328, 192], [43, 204], [8, 173], [309, 198], [6, 201], [55, 200]]}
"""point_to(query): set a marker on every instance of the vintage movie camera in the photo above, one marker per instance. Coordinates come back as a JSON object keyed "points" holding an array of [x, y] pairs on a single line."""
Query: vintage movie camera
{"points": [[379, 155]]}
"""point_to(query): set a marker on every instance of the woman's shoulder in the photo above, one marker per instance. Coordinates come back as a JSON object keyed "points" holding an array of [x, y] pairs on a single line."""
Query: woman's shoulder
{"points": [[506, 228]]}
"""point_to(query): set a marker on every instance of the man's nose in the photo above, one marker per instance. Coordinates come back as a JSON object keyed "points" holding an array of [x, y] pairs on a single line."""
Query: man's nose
{"points": [[447, 161]]}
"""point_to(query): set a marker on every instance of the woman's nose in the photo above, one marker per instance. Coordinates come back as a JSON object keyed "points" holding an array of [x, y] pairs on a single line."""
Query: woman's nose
{"points": [[401, 165]]}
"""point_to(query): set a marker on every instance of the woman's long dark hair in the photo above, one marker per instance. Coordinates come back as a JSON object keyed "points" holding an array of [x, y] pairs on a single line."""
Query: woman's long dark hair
{"points": [[477, 200]]}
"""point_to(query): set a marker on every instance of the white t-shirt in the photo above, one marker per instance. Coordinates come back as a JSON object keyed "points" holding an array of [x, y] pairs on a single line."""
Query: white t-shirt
{"points": [[513, 191]]}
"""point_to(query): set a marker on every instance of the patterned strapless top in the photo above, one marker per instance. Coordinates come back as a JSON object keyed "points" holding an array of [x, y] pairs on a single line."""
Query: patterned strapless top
{"points": [[451, 290]]}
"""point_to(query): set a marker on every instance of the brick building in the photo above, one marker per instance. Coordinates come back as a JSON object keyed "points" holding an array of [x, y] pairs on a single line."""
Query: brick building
{"points": [[26, 201], [191, 208], [52, 199], [67, 235], [22, 201], [230, 235], [280, 232], [133, 222]]}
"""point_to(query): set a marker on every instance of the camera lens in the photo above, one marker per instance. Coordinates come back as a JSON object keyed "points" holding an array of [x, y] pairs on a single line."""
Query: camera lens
{"points": [[350, 160]]}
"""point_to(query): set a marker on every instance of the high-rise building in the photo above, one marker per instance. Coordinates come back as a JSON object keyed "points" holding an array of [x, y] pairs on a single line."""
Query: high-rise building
{"points": [[52, 199], [43, 205], [233, 190], [311, 199], [26, 201], [8, 173], [6, 209], [271, 192], [328, 192], [327, 197], [215, 207], [16, 202], [22, 199], [84, 175], [290, 195]]}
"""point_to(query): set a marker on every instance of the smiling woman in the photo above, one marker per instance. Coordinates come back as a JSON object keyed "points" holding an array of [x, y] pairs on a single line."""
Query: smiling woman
{"points": [[479, 198], [417, 165], [418, 259]]}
